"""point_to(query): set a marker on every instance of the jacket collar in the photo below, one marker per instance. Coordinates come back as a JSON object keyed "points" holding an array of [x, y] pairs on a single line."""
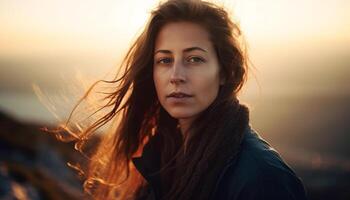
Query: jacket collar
{"points": [[149, 164]]}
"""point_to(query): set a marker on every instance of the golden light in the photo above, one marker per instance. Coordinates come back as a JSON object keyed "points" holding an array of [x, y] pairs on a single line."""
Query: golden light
{"points": [[80, 27]]}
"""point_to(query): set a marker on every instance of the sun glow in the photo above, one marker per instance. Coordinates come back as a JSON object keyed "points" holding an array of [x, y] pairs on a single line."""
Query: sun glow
{"points": [[53, 37], [36, 27], [65, 27]]}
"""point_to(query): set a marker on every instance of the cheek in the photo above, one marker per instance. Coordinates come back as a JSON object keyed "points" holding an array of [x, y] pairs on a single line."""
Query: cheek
{"points": [[207, 87]]}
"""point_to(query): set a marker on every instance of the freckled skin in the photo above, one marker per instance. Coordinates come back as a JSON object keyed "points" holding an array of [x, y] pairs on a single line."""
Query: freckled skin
{"points": [[177, 68]]}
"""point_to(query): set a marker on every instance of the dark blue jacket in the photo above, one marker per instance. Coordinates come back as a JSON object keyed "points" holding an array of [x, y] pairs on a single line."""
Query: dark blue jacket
{"points": [[256, 173]]}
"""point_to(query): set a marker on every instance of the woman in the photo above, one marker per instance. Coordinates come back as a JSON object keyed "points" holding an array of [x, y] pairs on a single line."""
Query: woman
{"points": [[182, 133]]}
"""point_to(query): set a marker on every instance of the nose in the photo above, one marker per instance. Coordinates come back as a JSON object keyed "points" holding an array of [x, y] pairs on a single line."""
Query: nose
{"points": [[178, 74]]}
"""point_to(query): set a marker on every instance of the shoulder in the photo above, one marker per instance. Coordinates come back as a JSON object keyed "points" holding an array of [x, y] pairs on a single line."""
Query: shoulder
{"points": [[259, 172]]}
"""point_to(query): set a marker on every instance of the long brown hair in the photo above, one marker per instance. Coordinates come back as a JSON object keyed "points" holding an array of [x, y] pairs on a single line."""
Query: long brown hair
{"points": [[137, 114]]}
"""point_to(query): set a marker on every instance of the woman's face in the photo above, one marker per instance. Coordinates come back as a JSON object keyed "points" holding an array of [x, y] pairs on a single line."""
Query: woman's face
{"points": [[185, 70]]}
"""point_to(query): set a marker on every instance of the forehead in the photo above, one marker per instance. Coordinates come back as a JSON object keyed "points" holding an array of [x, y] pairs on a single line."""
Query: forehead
{"points": [[181, 35]]}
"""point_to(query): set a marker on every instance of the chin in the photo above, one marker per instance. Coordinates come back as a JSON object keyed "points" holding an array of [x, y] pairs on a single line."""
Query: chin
{"points": [[181, 113]]}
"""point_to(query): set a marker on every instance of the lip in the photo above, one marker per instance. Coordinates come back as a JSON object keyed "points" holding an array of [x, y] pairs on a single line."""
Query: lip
{"points": [[176, 101], [179, 95]]}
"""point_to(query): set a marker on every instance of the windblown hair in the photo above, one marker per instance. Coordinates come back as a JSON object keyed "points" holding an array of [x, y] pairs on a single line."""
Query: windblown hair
{"points": [[111, 174]]}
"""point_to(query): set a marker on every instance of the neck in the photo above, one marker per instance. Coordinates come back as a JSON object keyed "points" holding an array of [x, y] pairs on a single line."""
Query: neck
{"points": [[185, 124]]}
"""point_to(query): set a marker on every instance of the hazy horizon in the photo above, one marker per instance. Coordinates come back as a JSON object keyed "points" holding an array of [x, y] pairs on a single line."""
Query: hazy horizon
{"points": [[300, 45], [298, 48]]}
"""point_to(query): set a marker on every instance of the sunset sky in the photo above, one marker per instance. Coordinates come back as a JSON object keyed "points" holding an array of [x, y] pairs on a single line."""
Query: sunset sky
{"points": [[298, 46], [46, 38]]}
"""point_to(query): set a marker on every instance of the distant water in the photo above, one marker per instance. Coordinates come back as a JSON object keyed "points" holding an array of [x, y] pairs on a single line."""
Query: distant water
{"points": [[25, 107]]}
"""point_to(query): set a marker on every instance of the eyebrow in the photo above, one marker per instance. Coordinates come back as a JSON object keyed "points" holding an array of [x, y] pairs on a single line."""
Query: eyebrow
{"points": [[185, 50]]}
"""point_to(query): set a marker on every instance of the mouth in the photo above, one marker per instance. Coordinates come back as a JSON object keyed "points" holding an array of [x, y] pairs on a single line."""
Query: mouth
{"points": [[179, 95]]}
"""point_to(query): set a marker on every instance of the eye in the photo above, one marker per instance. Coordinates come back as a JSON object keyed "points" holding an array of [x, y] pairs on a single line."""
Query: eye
{"points": [[164, 60], [195, 59]]}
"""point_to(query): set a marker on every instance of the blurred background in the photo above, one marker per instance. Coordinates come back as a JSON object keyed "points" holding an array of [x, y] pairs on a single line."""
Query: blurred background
{"points": [[298, 89]]}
